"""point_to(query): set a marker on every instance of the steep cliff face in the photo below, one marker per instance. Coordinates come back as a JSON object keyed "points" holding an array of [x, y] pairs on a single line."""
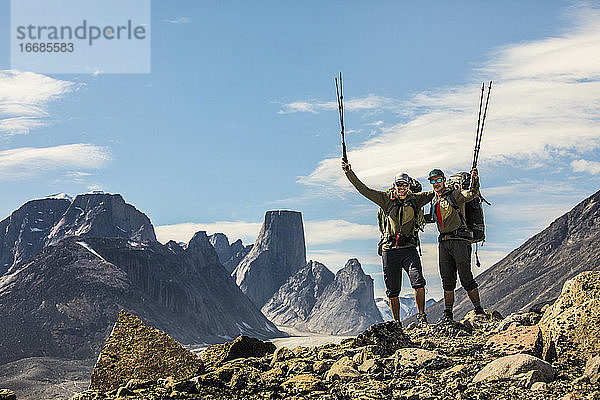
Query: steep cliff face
{"points": [[230, 255], [221, 244], [24, 232], [347, 305], [278, 253], [102, 215], [63, 301], [536, 271], [292, 303]]}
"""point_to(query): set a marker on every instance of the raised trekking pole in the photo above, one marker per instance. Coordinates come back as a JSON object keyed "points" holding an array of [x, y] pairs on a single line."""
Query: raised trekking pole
{"points": [[487, 100], [478, 122], [479, 134], [340, 102]]}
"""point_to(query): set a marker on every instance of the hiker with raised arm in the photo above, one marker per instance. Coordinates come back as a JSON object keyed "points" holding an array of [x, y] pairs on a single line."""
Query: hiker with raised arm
{"points": [[454, 247], [399, 245]]}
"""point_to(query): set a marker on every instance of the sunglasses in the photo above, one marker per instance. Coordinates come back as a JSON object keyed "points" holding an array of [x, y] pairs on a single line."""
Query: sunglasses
{"points": [[438, 180], [402, 185]]}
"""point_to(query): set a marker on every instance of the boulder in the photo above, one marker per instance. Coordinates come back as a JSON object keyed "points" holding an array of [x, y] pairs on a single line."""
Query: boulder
{"points": [[592, 370], [517, 339], [304, 383], [475, 321], [571, 324], [130, 353], [420, 359], [510, 367], [6, 394], [342, 369], [385, 338], [519, 319], [241, 347]]}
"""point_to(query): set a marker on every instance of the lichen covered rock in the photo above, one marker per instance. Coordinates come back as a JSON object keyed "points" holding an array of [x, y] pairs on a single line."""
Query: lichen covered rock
{"points": [[572, 323], [137, 351]]}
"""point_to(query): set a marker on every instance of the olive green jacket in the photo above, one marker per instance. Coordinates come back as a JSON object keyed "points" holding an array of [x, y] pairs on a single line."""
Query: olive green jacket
{"points": [[450, 219], [383, 200]]}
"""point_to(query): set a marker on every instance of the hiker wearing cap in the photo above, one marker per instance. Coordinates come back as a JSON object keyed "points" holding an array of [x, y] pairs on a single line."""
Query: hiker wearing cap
{"points": [[399, 248], [454, 247]]}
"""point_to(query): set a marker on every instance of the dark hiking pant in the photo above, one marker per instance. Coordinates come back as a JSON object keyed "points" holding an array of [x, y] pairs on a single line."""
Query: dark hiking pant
{"points": [[396, 260], [455, 256]]}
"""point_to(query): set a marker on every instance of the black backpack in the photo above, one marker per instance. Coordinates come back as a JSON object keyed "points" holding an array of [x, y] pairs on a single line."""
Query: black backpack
{"points": [[473, 218]]}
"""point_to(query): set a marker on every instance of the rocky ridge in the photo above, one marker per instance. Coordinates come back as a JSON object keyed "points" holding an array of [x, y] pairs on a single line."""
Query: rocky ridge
{"points": [[230, 255], [64, 301], [442, 361], [24, 233], [42, 222]]}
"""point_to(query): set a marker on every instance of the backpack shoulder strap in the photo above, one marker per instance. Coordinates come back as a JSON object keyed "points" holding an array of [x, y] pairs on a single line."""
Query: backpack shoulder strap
{"points": [[450, 197]]}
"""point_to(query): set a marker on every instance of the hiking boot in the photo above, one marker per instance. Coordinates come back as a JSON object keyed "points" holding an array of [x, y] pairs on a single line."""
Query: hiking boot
{"points": [[447, 317], [480, 314], [421, 320]]}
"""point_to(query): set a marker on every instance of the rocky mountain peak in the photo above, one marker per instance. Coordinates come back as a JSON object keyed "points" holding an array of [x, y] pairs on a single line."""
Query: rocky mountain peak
{"points": [[102, 215], [24, 232], [292, 303], [347, 305], [278, 253], [200, 246], [221, 244], [230, 255]]}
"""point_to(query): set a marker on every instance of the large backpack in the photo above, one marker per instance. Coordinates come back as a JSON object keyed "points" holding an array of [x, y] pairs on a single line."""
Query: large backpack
{"points": [[473, 218], [415, 187]]}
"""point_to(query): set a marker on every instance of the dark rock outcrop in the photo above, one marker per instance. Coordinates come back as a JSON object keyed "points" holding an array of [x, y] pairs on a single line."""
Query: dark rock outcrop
{"points": [[241, 347], [278, 253], [230, 255], [24, 233], [536, 271], [347, 305], [63, 301], [102, 215], [131, 352], [292, 303]]}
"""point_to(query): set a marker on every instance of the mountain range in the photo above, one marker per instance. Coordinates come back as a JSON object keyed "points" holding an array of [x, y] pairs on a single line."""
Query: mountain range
{"points": [[98, 254]]}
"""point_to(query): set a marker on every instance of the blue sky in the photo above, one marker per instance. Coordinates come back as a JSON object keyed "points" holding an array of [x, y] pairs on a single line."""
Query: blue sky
{"points": [[237, 117]]}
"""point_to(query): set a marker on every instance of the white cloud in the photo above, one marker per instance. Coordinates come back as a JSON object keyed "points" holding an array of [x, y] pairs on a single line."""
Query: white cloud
{"points": [[544, 100], [370, 102], [179, 20], [316, 232], [24, 98], [590, 167], [333, 231], [247, 231], [29, 161], [336, 260]]}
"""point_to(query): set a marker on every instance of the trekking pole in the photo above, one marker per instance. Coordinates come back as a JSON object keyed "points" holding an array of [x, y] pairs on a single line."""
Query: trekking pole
{"points": [[487, 100], [479, 134], [340, 102], [478, 122]]}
